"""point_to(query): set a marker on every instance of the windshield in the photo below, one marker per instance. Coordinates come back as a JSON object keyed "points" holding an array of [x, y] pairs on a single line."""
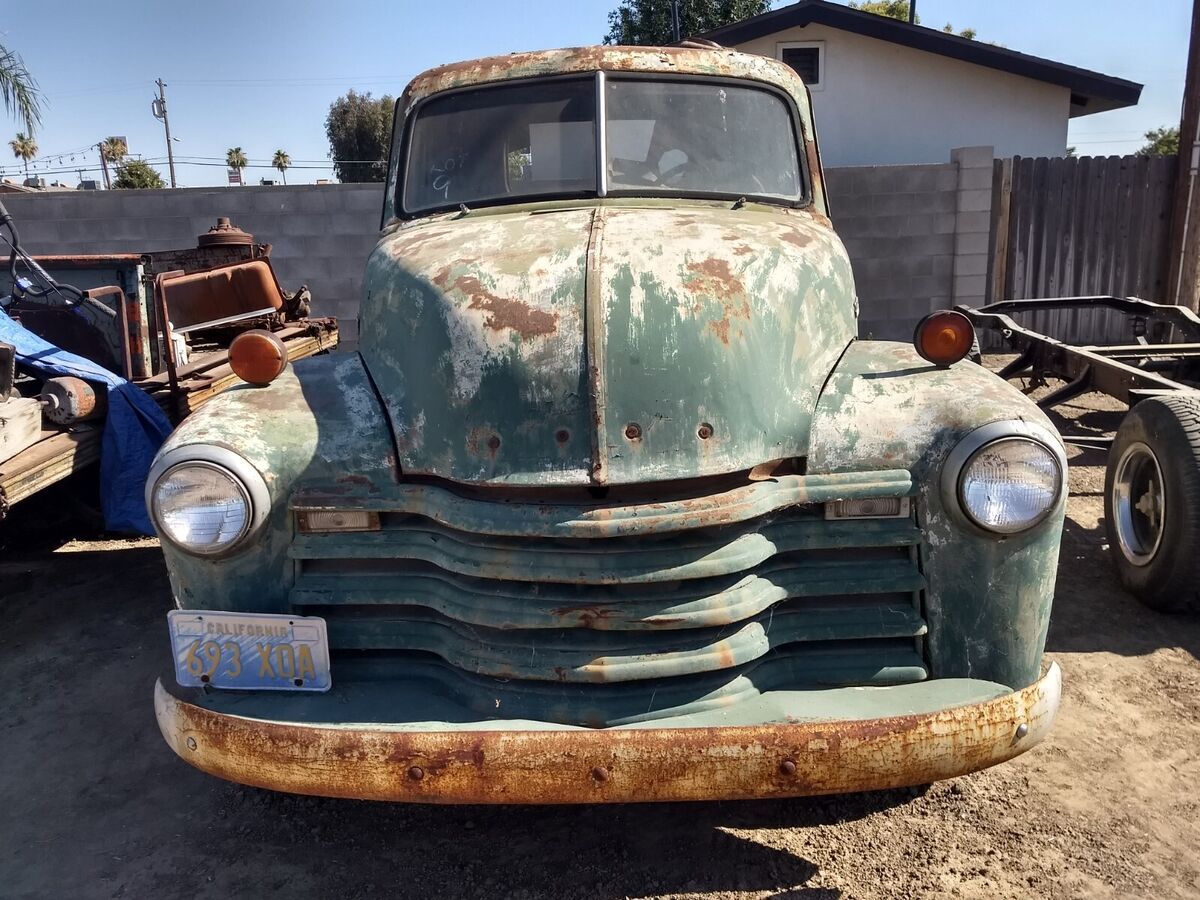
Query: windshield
{"points": [[691, 137], [497, 143], [525, 141]]}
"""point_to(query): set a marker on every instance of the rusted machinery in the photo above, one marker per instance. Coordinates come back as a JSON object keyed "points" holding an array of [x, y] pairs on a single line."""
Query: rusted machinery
{"points": [[162, 320]]}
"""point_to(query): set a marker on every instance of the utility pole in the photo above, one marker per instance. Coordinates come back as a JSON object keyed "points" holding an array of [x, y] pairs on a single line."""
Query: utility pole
{"points": [[676, 25], [159, 108], [1183, 288], [912, 12], [104, 166]]}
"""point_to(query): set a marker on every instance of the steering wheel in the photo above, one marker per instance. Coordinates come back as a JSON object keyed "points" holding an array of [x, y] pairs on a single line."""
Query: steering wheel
{"points": [[676, 173], [633, 170]]}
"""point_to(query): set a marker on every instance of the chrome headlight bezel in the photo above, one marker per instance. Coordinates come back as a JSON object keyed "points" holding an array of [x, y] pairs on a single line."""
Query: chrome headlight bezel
{"points": [[966, 450], [245, 476]]}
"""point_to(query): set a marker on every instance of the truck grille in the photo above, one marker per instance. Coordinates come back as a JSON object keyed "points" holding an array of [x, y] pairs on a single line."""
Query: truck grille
{"points": [[607, 614]]}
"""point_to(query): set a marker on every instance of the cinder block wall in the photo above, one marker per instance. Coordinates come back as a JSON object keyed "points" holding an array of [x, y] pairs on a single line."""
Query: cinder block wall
{"points": [[320, 234], [898, 225], [917, 235]]}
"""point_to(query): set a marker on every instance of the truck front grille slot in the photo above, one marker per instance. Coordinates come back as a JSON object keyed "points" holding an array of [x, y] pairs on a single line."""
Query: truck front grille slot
{"points": [[589, 631]]}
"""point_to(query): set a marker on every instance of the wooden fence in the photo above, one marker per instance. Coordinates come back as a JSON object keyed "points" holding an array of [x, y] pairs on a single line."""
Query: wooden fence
{"points": [[1073, 227]]}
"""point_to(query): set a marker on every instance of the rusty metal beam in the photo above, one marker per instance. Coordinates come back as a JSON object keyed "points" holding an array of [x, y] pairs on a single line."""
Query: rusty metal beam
{"points": [[1047, 356], [609, 765]]}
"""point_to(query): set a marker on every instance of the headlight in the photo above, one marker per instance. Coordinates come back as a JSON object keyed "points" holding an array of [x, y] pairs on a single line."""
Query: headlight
{"points": [[1010, 484], [201, 507]]}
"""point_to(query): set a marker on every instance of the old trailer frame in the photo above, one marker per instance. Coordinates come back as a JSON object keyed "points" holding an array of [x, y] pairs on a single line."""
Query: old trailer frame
{"points": [[1152, 365]]}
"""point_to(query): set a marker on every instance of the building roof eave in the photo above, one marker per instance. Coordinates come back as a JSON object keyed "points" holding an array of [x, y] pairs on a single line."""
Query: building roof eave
{"points": [[1096, 91]]}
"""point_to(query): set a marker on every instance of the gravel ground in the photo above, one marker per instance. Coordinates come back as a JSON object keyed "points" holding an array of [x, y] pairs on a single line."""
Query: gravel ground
{"points": [[95, 805]]}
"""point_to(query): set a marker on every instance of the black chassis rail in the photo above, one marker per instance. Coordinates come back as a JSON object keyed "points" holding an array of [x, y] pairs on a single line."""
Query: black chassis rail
{"points": [[1126, 372]]}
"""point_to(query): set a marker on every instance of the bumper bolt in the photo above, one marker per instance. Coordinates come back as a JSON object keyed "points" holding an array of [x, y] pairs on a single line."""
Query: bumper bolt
{"points": [[562, 435], [600, 774], [494, 442], [705, 431], [787, 767], [191, 743], [416, 773], [633, 431], [1022, 730]]}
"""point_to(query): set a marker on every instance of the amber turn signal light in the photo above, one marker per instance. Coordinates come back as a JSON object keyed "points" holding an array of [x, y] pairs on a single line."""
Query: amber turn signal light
{"points": [[944, 337], [257, 357]]}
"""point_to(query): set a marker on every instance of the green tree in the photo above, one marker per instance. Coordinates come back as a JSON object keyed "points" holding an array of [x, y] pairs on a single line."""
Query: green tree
{"points": [[24, 148], [893, 9], [236, 159], [647, 23], [19, 91], [1161, 142], [136, 173], [282, 162], [898, 9], [359, 128]]}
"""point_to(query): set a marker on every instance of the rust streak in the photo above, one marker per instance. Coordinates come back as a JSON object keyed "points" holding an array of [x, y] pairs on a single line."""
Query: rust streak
{"points": [[714, 276], [503, 313]]}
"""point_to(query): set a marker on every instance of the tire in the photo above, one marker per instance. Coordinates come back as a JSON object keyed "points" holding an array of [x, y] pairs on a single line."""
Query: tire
{"points": [[1152, 502]]}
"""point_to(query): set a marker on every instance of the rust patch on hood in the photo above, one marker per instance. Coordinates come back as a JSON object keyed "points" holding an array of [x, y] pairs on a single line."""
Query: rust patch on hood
{"points": [[714, 278], [503, 313]]}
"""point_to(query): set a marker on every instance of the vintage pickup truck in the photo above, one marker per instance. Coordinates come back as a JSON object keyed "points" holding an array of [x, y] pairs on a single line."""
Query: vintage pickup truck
{"points": [[612, 504]]}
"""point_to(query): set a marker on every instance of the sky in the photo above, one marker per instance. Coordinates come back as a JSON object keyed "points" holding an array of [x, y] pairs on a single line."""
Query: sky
{"points": [[262, 75]]}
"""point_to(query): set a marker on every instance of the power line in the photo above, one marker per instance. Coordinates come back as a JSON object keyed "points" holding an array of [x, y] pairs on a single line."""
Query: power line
{"points": [[263, 160]]}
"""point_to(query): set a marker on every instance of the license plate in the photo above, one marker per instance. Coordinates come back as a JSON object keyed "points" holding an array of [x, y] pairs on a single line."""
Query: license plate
{"points": [[249, 651]]}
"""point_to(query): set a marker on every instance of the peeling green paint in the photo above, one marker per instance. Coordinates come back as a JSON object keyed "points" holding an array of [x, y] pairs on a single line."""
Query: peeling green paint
{"points": [[989, 597], [484, 330]]}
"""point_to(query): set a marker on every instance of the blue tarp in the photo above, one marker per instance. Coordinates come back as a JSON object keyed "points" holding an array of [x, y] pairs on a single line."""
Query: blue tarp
{"points": [[133, 430]]}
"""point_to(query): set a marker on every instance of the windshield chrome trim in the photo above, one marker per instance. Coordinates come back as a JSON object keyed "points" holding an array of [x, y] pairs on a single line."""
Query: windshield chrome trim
{"points": [[601, 136]]}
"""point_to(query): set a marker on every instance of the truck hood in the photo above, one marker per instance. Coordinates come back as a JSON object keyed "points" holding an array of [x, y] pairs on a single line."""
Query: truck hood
{"points": [[604, 344]]}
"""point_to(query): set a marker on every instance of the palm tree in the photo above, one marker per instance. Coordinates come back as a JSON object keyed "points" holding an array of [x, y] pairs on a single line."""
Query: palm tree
{"points": [[282, 162], [24, 148], [236, 159], [112, 151], [19, 91]]}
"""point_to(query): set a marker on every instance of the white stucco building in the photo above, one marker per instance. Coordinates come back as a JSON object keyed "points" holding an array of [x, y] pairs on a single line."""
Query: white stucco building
{"points": [[887, 93]]}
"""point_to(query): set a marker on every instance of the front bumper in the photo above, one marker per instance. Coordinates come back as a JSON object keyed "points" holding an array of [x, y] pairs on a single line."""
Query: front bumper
{"points": [[615, 765]]}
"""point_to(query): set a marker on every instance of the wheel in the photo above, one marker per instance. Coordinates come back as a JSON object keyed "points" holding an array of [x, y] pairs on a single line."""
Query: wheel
{"points": [[1152, 502]]}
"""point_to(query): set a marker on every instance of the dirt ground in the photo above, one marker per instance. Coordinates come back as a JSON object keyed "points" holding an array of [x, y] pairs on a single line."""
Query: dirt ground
{"points": [[95, 805]]}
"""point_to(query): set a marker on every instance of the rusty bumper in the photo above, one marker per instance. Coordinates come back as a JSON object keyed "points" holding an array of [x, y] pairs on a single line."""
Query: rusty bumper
{"points": [[611, 765]]}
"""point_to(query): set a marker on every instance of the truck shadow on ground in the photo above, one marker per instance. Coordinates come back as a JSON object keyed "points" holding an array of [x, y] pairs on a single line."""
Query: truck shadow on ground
{"points": [[1093, 612], [604, 851]]}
